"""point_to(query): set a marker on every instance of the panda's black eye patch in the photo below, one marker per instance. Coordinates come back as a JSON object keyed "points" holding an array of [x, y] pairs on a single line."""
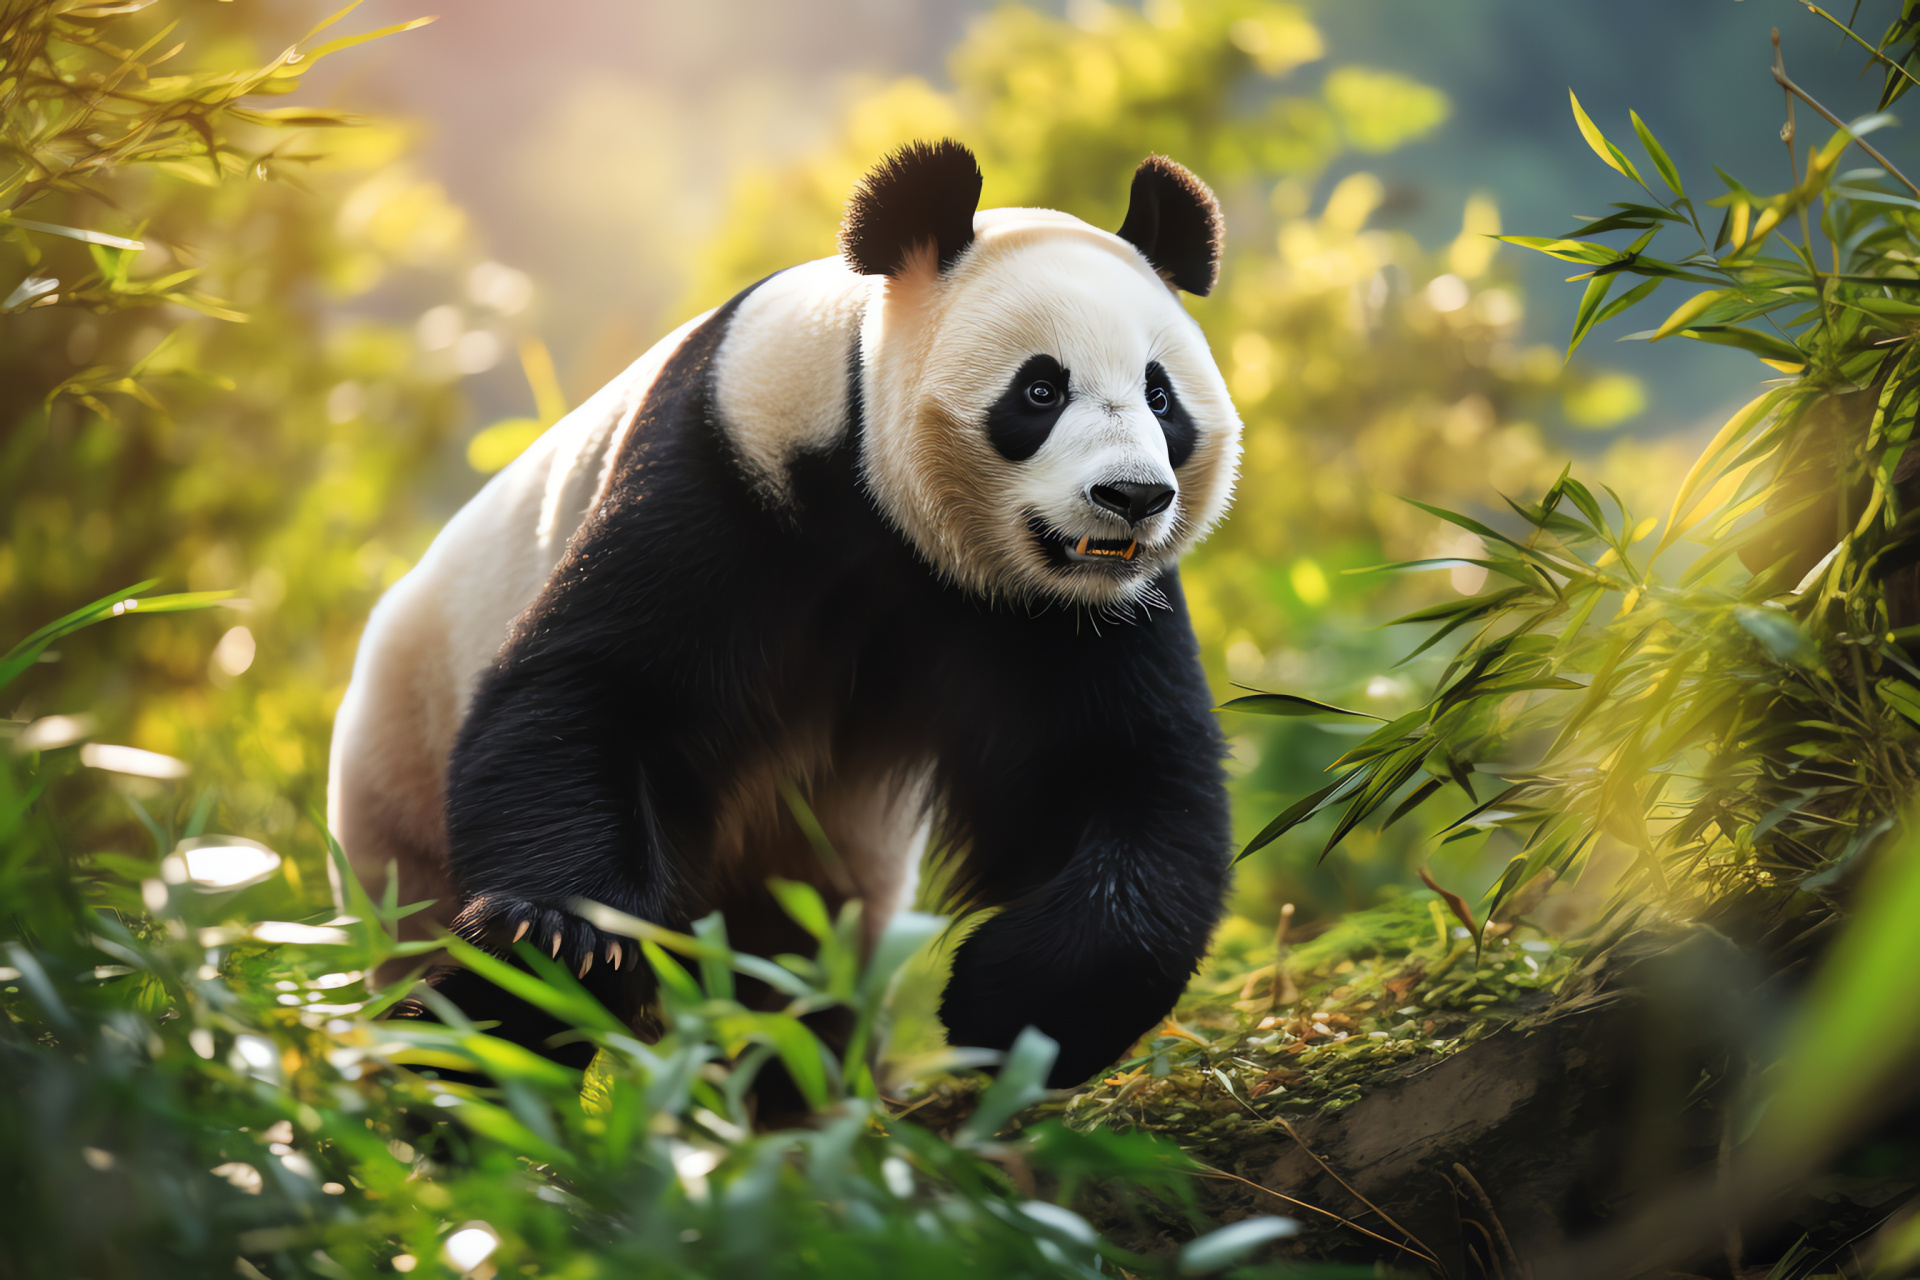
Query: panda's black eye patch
{"points": [[1022, 418], [1175, 421]]}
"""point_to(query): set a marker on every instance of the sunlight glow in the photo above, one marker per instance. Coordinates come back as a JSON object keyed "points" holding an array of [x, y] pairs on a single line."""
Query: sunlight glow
{"points": [[298, 935], [470, 1246], [49, 732], [132, 761], [216, 864]]}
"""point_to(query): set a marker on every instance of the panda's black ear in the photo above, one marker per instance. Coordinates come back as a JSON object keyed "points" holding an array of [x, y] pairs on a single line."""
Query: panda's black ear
{"points": [[923, 194], [1174, 220]]}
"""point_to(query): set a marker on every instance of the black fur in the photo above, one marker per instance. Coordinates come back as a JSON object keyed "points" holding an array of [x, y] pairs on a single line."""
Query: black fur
{"points": [[1174, 220], [691, 629], [1020, 421], [924, 193]]}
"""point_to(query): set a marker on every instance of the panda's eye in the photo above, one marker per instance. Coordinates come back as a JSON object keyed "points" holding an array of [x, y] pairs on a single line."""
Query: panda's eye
{"points": [[1020, 421], [1175, 421]]}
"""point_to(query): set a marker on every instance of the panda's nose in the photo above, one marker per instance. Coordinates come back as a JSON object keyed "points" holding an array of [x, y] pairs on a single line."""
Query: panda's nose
{"points": [[1131, 500]]}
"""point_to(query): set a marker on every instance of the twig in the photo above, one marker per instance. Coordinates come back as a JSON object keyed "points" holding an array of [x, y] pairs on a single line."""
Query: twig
{"points": [[1878, 56], [1794, 89], [1281, 990], [1208, 1171], [1414, 1242], [1491, 1263], [1486, 1203], [1788, 132], [1455, 903]]}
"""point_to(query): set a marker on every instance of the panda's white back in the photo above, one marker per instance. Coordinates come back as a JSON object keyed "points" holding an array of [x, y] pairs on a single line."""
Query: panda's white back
{"points": [[436, 629]]}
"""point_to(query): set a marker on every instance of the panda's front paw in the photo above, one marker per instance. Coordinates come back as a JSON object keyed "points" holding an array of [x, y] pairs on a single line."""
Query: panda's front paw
{"points": [[1094, 1000], [494, 922]]}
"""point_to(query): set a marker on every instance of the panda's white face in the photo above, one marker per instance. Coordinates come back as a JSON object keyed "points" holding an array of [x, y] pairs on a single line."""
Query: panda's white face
{"points": [[1044, 418]]}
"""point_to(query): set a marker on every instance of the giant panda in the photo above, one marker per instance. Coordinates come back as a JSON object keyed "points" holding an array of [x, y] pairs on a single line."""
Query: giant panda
{"points": [[898, 528]]}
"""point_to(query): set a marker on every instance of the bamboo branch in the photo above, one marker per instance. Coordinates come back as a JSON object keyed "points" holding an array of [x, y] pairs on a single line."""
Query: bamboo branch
{"points": [[1781, 78], [1878, 56]]}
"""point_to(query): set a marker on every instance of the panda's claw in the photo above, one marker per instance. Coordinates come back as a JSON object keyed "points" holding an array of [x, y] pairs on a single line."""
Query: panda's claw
{"points": [[498, 923]]}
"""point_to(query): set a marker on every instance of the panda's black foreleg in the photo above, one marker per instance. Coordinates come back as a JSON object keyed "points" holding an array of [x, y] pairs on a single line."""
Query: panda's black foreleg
{"points": [[547, 804], [1100, 953]]}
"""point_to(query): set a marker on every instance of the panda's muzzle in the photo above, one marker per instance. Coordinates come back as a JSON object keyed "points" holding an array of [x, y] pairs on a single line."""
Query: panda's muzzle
{"points": [[1063, 551], [1132, 500]]}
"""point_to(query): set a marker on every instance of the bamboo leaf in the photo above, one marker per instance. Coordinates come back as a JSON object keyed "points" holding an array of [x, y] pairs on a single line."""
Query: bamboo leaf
{"points": [[1668, 174], [1901, 696], [1588, 311], [1287, 704], [1612, 155], [1386, 780], [1639, 293], [1769, 348], [347, 42], [1299, 811], [1685, 313], [1415, 798], [1682, 516], [1566, 250]]}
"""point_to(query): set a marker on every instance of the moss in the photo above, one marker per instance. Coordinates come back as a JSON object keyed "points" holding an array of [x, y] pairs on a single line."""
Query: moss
{"points": [[1383, 993]]}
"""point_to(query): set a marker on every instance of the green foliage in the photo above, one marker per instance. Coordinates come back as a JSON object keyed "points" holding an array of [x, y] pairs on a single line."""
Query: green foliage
{"points": [[188, 395], [1740, 728]]}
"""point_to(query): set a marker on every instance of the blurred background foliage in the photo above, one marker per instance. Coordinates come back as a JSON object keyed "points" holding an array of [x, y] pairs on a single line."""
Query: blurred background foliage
{"points": [[201, 395]]}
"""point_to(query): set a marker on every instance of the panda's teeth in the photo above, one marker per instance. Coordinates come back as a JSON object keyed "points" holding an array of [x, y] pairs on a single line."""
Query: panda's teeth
{"points": [[1087, 549]]}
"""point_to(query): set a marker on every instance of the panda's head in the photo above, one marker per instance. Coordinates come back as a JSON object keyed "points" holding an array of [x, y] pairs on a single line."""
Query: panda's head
{"points": [[1043, 418]]}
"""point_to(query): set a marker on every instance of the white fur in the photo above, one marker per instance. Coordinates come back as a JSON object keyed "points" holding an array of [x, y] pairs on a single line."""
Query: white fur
{"points": [[780, 377]]}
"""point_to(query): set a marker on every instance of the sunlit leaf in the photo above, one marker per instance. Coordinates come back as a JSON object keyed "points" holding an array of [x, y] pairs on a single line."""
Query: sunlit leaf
{"points": [[1607, 152], [1658, 154]]}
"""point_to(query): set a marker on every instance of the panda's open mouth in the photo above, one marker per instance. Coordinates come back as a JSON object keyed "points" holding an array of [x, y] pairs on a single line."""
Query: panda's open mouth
{"points": [[1065, 551]]}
